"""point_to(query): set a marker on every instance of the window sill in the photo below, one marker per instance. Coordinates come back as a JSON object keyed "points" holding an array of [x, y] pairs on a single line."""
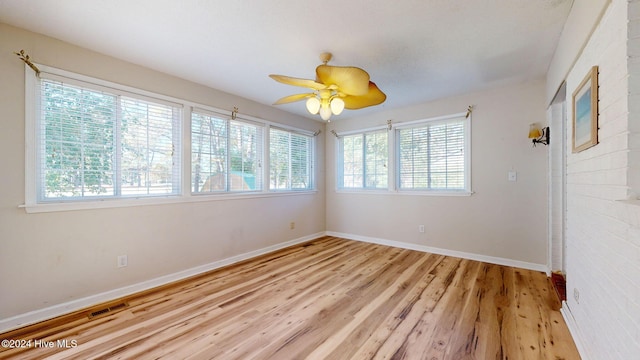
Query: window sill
{"points": [[405, 192], [121, 203]]}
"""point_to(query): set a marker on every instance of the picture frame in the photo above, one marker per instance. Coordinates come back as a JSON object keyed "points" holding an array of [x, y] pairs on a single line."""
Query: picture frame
{"points": [[585, 112]]}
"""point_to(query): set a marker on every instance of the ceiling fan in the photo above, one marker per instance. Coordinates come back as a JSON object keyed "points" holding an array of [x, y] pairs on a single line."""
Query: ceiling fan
{"points": [[335, 88]]}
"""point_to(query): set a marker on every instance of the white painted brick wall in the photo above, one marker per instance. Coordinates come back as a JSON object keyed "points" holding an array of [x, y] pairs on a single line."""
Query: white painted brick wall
{"points": [[603, 230]]}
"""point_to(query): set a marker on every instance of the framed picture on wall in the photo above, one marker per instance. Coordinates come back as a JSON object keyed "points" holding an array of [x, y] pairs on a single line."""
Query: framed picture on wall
{"points": [[585, 112]]}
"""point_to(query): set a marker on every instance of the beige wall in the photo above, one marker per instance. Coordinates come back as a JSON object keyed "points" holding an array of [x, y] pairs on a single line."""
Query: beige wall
{"points": [[52, 258], [501, 219]]}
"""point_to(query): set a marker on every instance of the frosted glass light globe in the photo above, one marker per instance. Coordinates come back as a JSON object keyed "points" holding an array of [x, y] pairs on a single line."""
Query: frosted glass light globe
{"points": [[313, 105], [325, 113], [337, 105]]}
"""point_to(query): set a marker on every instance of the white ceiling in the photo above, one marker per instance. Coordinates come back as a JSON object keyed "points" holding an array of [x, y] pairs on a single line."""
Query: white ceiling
{"points": [[414, 50]]}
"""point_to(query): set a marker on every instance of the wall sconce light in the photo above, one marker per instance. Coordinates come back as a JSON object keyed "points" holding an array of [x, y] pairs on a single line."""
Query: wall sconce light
{"points": [[538, 135]]}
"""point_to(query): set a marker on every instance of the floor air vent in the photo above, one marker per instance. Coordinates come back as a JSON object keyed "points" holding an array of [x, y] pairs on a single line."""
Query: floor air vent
{"points": [[107, 310]]}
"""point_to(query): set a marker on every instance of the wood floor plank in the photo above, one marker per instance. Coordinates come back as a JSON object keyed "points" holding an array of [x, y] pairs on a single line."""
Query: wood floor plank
{"points": [[365, 341], [329, 298]]}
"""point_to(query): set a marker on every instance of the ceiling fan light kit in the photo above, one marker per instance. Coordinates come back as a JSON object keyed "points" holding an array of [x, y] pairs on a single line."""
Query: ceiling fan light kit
{"points": [[335, 88]]}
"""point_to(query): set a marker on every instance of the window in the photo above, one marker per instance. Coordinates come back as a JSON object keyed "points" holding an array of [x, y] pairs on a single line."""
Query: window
{"points": [[433, 155], [363, 161], [90, 140], [95, 142], [226, 155], [290, 160]]}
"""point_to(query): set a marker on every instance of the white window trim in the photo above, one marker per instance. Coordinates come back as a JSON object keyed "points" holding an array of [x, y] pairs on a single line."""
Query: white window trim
{"points": [[267, 159], [467, 186], [390, 161], [393, 188], [32, 205], [240, 118]]}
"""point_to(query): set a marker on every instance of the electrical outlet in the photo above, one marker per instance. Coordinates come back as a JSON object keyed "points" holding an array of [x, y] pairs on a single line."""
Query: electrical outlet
{"points": [[292, 225], [122, 261], [421, 228], [576, 295]]}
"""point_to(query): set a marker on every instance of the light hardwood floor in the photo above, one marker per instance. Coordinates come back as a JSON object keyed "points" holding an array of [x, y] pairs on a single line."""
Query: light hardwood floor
{"points": [[330, 298]]}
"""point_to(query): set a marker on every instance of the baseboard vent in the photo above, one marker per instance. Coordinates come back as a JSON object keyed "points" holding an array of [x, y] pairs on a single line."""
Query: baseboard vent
{"points": [[108, 310]]}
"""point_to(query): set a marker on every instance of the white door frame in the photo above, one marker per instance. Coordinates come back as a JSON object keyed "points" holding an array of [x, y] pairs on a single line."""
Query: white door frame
{"points": [[557, 116]]}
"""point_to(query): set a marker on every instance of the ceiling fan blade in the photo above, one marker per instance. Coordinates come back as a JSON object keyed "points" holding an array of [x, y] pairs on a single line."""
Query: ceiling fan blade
{"points": [[293, 98], [373, 97], [298, 82], [350, 80]]}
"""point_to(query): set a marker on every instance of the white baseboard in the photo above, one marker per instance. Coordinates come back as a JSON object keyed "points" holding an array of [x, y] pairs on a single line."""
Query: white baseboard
{"points": [[75, 305], [71, 306], [574, 330], [440, 251]]}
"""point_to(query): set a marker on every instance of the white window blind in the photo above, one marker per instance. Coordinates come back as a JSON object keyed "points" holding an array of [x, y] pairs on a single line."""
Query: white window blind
{"points": [[432, 155], [290, 160], [94, 143], [363, 160], [226, 155]]}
